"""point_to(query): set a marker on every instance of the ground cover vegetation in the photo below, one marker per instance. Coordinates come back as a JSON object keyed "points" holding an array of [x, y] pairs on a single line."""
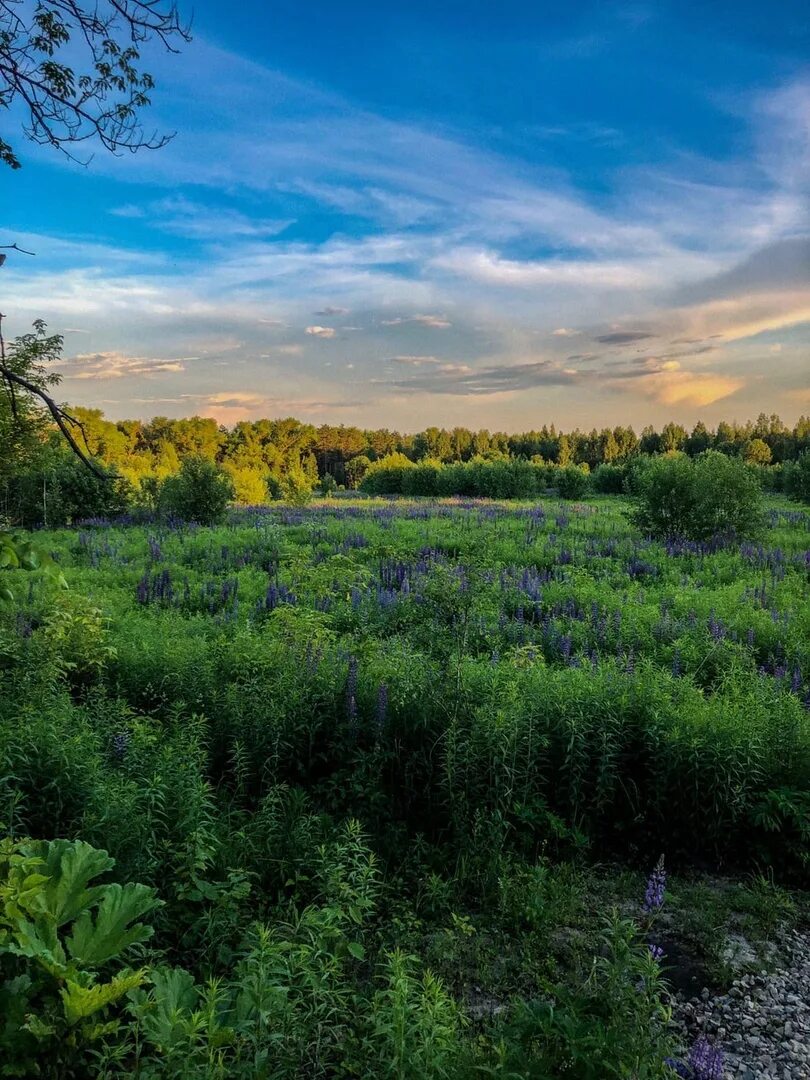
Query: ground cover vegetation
{"points": [[372, 788]]}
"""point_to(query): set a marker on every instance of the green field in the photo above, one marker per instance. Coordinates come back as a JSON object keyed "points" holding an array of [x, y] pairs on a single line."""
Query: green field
{"points": [[398, 771]]}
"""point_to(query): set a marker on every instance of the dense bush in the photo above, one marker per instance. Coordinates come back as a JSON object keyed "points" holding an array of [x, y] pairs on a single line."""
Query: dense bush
{"points": [[797, 478], [64, 490], [712, 495], [294, 486], [571, 482], [199, 492], [608, 479]]}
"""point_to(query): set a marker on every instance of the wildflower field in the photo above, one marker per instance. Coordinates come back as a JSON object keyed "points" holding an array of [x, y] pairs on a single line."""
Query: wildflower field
{"points": [[393, 774]]}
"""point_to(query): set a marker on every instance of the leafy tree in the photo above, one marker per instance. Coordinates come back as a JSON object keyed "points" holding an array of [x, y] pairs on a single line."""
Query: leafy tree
{"points": [[356, 469], [699, 440], [697, 499], [757, 452], [26, 385], [199, 492], [295, 486], [72, 70], [673, 437], [249, 485]]}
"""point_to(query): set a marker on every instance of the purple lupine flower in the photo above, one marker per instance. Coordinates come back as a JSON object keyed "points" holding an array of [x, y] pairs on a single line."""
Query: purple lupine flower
{"points": [[706, 1060], [679, 1068], [351, 690], [676, 664], [654, 894], [656, 952], [119, 745]]}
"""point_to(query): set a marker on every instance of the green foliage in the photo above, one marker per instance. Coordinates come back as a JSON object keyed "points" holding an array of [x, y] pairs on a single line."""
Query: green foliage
{"points": [[77, 637], [356, 468], [18, 552], [614, 1024], [58, 935], [385, 477], [609, 479], [415, 1026], [295, 486], [571, 483], [87, 74], [797, 478], [501, 694], [757, 452], [199, 492], [697, 499]]}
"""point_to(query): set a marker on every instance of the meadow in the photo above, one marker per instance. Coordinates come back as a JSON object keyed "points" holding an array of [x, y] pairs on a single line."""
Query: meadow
{"points": [[393, 774]]}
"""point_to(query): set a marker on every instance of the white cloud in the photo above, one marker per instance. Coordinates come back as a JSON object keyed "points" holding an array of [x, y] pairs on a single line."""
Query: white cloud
{"points": [[116, 365], [321, 331]]}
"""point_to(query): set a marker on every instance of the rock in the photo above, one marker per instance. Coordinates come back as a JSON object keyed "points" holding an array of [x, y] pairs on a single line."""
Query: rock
{"points": [[763, 1021]]}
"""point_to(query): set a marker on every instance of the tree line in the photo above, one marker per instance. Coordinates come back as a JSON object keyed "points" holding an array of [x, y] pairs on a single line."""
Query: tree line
{"points": [[271, 457]]}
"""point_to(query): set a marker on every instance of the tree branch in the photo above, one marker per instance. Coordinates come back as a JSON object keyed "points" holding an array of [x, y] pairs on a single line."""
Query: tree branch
{"points": [[61, 417]]}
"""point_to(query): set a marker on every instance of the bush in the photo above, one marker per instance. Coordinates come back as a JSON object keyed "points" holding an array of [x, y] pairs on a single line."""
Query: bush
{"points": [[328, 485], [712, 495], [294, 486], [797, 478], [385, 477], [609, 479], [65, 491], [421, 479], [571, 482], [199, 492]]}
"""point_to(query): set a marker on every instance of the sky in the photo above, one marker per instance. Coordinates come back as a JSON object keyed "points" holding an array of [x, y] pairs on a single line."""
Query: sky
{"points": [[404, 214]]}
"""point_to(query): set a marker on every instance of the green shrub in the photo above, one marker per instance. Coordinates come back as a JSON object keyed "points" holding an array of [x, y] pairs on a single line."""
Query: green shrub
{"points": [[385, 477], [571, 482], [328, 485], [797, 478], [710, 495], [608, 479], [295, 487], [199, 492]]}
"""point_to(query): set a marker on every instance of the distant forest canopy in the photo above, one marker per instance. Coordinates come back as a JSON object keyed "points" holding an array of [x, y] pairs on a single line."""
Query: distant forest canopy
{"points": [[157, 447], [255, 452]]}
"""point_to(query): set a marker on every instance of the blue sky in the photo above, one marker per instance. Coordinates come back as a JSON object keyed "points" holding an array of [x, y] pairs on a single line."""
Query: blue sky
{"points": [[481, 214]]}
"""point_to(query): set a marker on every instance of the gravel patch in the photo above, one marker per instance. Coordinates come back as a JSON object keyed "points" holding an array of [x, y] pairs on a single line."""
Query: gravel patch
{"points": [[763, 1022]]}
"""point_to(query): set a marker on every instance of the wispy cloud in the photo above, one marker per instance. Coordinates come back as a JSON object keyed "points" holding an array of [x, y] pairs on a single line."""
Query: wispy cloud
{"points": [[116, 365], [437, 322], [497, 254]]}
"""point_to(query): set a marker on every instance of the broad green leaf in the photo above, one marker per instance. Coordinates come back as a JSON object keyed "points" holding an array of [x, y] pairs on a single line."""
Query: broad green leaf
{"points": [[69, 865], [93, 942], [173, 998], [82, 1001]]}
